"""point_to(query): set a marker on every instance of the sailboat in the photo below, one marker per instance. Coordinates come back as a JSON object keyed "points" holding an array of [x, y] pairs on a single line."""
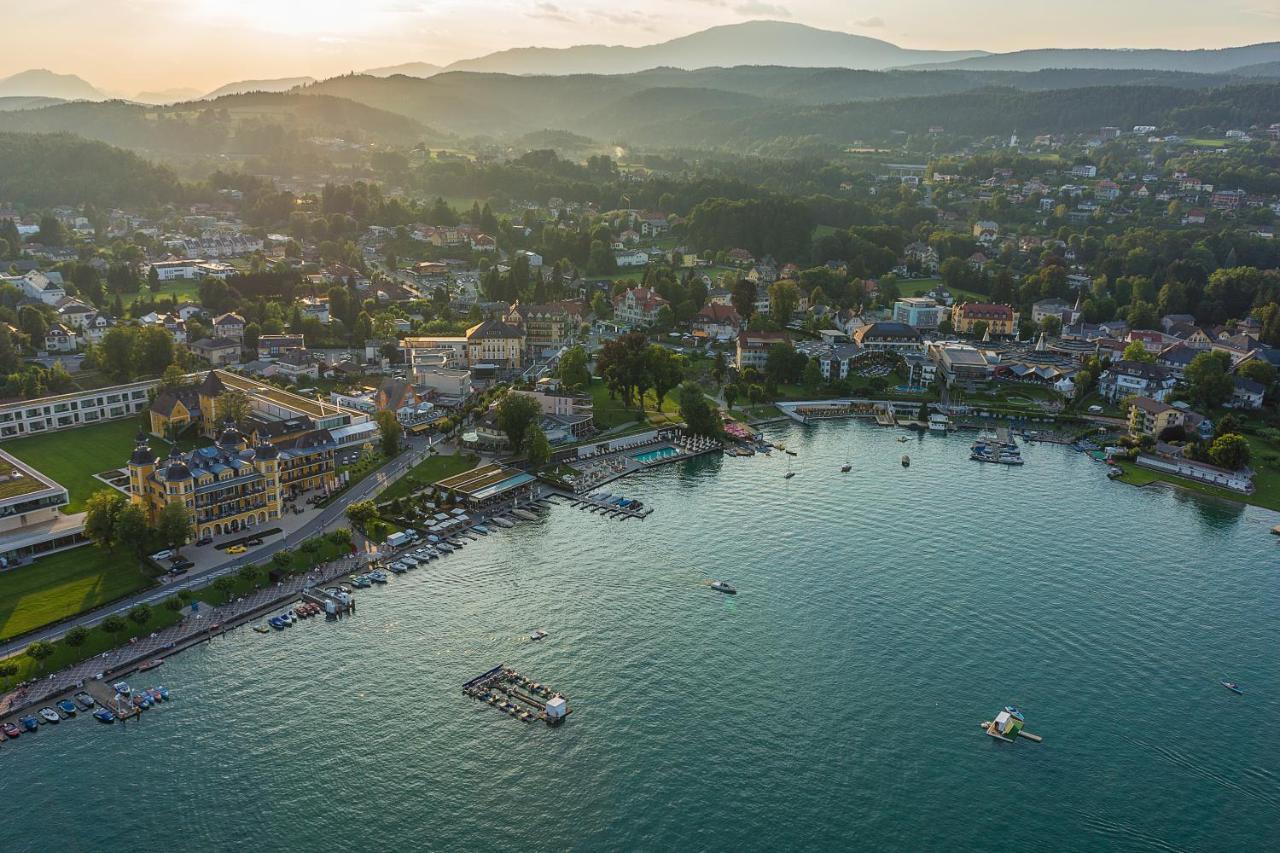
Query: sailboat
{"points": [[848, 455], [790, 473]]}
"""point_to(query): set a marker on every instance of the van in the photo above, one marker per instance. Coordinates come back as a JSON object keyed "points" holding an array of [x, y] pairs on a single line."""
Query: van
{"points": [[162, 555]]}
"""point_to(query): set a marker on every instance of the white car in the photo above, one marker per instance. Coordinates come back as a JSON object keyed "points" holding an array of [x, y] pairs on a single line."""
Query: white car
{"points": [[162, 555]]}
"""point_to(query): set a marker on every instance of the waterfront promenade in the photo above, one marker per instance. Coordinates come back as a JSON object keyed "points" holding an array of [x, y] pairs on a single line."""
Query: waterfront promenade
{"points": [[196, 627]]}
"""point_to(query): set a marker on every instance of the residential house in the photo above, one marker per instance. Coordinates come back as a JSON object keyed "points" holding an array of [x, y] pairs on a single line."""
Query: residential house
{"points": [[1152, 417], [1246, 394], [496, 343], [638, 306], [59, 338], [717, 322], [217, 351], [888, 337], [753, 348], [274, 346], [43, 286], [229, 325], [1135, 379]]}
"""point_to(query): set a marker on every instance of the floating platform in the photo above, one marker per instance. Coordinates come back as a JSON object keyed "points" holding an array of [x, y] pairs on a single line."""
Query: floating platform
{"points": [[518, 696], [987, 725]]}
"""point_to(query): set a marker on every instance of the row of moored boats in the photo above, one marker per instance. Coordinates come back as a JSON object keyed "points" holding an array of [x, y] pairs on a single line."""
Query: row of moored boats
{"points": [[67, 709]]}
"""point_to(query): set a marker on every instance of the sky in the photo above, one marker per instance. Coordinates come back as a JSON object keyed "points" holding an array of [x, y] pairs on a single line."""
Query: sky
{"points": [[127, 46]]}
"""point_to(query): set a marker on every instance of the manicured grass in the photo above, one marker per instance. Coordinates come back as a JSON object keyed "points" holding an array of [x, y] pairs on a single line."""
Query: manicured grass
{"points": [[97, 642], [915, 287], [64, 584], [72, 456], [431, 470], [609, 412]]}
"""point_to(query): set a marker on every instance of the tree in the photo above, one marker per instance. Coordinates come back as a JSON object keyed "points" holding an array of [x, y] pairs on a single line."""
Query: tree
{"points": [[116, 352], [102, 510], [699, 417], [1135, 351], [225, 585], [601, 307], [621, 362], [784, 298], [517, 413], [719, 367], [361, 513], [1258, 370], [980, 329], [744, 298], [812, 374], [39, 651], [538, 449], [76, 636], [390, 430], [1230, 451], [173, 603], [730, 394], [233, 405], [248, 573], [573, 370], [173, 525], [664, 369], [173, 377], [1207, 378], [131, 529], [249, 340], [141, 614], [32, 323], [153, 349], [115, 625]]}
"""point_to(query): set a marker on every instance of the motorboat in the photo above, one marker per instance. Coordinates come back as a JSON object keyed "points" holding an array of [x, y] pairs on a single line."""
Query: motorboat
{"points": [[49, 715], [151, 664], [84, 700], [164, 692], [362, 582], [102, 715], [277, 623], [902, 439], [67, 707], [906, 461], [155, 695], [788, 475], [846, 468], [538, 634], [455, 541], [1233, 687], [481, 529], [122, 687], [378, 576], [10, 730], [397, 567], [262, 629], [445, 547], [30, 723], [726, 588]]}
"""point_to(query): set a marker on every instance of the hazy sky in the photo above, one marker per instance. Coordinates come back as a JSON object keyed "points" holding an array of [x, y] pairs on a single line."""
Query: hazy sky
{"points": [[128, 45]]}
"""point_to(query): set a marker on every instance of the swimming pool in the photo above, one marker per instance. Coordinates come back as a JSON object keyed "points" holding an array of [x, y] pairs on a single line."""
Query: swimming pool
{"points": [[655, 455]]}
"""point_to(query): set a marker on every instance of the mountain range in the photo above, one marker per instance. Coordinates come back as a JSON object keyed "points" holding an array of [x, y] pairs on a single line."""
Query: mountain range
{"points": [[777, 43]]}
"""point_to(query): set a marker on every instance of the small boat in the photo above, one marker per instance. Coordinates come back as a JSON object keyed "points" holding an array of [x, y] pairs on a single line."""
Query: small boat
{"points": [[790, 452], [277, 623], [846, 468], [49, 715], [102, 715], [1233, 687], [538, 634], [163, 691], [30, 723], [378, 577], [67, 707], [481, 529], [10, 730], [362, 582], [155, 695], [151, 664], [788, 475], [84, 700], [122, 687], [262, 629], [902, 439], [726, 588], [906, 461]]}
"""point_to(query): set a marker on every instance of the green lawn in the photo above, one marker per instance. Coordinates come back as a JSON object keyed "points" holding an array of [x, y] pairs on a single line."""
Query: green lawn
{"points": [[915, 287], [431, 470], [73, 456], [610, 412], [63, 585]]}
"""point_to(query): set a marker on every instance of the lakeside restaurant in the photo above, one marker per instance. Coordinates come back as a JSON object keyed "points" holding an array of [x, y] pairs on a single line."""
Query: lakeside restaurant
{"points": [[490, 485]]}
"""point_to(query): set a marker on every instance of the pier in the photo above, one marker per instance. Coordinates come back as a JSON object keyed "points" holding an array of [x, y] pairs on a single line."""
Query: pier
{"points": [[518, 696], [610, 506]]}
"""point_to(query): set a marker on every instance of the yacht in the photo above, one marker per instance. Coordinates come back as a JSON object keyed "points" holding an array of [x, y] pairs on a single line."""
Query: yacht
{"points": [[726, 588]]}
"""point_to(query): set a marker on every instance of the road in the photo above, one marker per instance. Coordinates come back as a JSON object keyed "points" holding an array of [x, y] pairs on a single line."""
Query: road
{"points": [[335, 512]]}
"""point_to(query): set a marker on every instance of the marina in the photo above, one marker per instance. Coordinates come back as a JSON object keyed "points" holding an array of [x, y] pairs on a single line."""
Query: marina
{"points": [[518, 696]]}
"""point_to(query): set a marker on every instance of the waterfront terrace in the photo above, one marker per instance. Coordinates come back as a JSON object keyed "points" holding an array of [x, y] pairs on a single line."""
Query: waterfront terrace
{"points": [[488, 485]]}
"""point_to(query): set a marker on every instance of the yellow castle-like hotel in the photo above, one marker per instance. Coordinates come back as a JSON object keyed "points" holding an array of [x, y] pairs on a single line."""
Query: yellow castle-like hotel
{"points": [[286, 447]]}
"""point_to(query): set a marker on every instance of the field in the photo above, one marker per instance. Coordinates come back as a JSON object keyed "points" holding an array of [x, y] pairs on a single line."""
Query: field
{"points": [[429, 471], [72, 456], [63, 585]]}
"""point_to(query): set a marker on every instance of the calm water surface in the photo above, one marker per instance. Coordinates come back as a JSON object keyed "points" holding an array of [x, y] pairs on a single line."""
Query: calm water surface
{"points": [[833, 704]]}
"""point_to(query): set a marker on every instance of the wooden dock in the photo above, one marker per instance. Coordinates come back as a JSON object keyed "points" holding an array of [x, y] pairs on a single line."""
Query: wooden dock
{"points": [[601, 504]]}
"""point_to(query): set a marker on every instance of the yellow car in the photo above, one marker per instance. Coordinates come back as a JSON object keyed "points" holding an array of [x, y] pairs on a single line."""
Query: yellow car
{"points": [[237, 549]]}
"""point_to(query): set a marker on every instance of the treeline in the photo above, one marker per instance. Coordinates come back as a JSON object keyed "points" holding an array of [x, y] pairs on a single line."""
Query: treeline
{"points": [[48, 169]]}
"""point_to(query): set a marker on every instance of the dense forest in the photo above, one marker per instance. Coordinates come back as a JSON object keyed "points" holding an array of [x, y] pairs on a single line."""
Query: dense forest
{"points": [[49, 169]]}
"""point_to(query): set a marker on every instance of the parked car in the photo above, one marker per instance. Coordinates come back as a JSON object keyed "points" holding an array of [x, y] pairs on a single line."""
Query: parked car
{"points": [[204, 540], [237, 549], [162, 555]]}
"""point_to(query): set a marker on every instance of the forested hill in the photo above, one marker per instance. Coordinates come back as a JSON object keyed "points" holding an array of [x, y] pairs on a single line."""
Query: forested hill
{"points": [[45, 169]]}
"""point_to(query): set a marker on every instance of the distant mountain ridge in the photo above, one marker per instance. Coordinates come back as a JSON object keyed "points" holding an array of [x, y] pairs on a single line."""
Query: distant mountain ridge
{"points": [[241, 87], [774, 42], [42, 83], [1215, 61], [408, 69]]}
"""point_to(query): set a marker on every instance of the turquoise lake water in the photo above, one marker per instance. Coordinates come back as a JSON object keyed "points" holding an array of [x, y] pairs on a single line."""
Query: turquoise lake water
{"points": [[832, 704]]}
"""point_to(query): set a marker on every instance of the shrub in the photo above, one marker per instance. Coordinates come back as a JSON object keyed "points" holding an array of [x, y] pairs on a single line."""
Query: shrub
{"points": [[173, 603], [141, 614], [76, 636]]}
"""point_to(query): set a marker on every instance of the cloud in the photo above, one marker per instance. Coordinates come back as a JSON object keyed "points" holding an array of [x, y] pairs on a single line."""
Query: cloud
{"points": [[756, 7], [624, 19], [870, 23], [549, 12]]}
